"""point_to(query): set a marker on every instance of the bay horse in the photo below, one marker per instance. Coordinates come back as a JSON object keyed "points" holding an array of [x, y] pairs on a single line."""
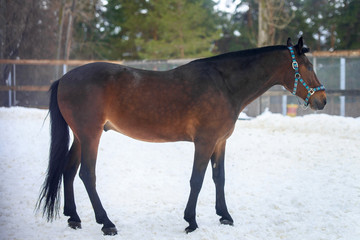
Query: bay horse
{"points": [[198, 102]]}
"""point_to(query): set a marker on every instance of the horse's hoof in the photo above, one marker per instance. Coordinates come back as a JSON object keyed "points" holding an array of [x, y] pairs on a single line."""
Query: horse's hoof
{"points": [[74, 225], [110, 231], [227, 222], [190, 229]]}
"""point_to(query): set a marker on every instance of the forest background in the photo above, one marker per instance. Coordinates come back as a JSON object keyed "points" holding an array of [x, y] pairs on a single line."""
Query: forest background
{"points": [[169, 29]]}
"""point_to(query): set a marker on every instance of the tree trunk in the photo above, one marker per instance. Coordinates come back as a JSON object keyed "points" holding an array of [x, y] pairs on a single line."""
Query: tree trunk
{"points": [[2, 38], [263, 26], [69, 31], [61, 24], [333, 37], [319, 41]]}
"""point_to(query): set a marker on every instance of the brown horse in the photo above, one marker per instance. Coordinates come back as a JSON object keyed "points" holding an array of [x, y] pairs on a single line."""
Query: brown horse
{"points": [[198, 102]]}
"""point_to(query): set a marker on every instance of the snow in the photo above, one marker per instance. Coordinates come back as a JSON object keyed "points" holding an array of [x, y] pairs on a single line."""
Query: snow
{"points": [[287, 178]]}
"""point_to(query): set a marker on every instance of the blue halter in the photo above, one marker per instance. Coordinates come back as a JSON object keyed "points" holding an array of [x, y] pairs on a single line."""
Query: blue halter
{"points": [[298, 77]]}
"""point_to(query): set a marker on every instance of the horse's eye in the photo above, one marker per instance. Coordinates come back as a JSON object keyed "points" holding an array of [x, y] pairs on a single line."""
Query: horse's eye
{"points": [[310, 68]]}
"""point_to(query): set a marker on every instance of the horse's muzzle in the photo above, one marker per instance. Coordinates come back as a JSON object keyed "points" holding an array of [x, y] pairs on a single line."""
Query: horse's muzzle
{"points": [[319, 101]]}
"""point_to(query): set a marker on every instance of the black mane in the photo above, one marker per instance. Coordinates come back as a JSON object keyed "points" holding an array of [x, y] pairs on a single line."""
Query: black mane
{"points": [[243, 53]]}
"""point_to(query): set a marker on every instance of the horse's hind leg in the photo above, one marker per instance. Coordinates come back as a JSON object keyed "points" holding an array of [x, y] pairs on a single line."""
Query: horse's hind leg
{"points": [[69, 175], [218, 169], [89, 149]]}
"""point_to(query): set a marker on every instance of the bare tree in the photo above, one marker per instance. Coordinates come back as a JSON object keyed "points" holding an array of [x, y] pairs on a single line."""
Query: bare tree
{"points": [[273, 15], [14, 20], [69, 30]]}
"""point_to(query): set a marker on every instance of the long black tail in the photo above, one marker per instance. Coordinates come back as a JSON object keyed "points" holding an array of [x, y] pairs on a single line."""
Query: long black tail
{"points": [[59, 148]]}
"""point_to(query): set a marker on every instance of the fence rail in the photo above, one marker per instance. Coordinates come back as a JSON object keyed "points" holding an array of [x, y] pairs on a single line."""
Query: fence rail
{"points": [[25, 88], [81, 62], [52, 62], [339, 53]]}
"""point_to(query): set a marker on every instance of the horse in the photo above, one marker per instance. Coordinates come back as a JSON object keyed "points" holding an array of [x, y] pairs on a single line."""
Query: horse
{"points": [[198, 102]]}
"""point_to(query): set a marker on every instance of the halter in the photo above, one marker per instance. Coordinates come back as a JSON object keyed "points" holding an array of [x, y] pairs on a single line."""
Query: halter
{"points": [[310, 90]]}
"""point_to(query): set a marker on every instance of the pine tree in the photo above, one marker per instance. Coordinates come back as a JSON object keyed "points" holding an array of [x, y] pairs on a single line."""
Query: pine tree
{"points": [[160, 29], [183, 29]]}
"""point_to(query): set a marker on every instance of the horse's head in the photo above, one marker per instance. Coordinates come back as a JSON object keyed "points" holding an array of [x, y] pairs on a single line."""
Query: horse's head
{"points": [[303, 81]]}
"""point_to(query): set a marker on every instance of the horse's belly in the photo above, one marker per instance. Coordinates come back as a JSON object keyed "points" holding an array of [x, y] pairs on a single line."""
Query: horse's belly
{"points": [[155, 133]]}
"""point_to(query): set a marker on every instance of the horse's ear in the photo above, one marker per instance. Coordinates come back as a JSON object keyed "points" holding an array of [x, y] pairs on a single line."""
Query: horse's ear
{"points": [[289, 43], [300, 43], [301, 48]]}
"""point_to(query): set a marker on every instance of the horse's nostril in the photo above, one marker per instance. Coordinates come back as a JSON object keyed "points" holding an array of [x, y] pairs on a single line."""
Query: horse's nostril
{"points": [[320, 104]]}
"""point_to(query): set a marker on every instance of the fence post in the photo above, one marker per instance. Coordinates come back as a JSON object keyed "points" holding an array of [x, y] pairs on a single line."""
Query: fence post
{"points": [[8, 82], [284, 105], [64, 69], [342, 85], [14, 83]]}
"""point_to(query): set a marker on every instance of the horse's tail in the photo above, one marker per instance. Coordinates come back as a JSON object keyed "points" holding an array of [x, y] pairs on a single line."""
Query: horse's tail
{"points": [[59, 148]]}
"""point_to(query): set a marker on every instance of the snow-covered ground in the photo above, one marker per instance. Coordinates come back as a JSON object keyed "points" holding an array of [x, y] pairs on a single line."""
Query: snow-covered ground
{"points": [[287, 178]]}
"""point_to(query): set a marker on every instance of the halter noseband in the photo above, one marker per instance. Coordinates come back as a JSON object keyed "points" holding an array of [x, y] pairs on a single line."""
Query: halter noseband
{"points": [[310, 90]]}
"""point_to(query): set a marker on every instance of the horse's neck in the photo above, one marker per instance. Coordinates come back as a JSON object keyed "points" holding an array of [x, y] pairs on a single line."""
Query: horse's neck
{"points": [[249, 77]]}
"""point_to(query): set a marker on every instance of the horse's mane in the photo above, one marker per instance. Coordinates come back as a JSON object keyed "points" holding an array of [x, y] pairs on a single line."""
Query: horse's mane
{"points": [[242, 53]]}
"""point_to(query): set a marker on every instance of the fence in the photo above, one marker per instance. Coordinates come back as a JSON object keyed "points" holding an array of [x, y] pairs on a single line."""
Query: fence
{"points": [[28, 82]]}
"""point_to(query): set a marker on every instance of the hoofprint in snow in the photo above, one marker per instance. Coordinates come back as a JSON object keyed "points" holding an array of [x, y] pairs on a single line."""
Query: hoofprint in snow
{"points": [[286, 178]]}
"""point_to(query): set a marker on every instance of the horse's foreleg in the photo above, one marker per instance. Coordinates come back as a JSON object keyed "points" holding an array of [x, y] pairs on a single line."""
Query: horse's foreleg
{"points": [[69, 175], [201, 160], [89, 150], [218, 170]]}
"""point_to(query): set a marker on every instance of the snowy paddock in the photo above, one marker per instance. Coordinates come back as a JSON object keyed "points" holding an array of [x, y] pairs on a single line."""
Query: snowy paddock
{"points": [[286, 178]]}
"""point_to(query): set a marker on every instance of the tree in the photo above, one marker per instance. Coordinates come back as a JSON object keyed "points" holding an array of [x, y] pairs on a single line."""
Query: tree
{"points": [[314, 19], [273, 15], [160, 29], [26, 31], [264, 23], [239, 28], [348, 26], [184, 29], [88, 34], [325, 25], [120, 23]]}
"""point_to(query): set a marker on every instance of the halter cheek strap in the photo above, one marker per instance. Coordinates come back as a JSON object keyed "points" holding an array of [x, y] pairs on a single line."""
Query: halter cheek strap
{"points": [[298, 78]]}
